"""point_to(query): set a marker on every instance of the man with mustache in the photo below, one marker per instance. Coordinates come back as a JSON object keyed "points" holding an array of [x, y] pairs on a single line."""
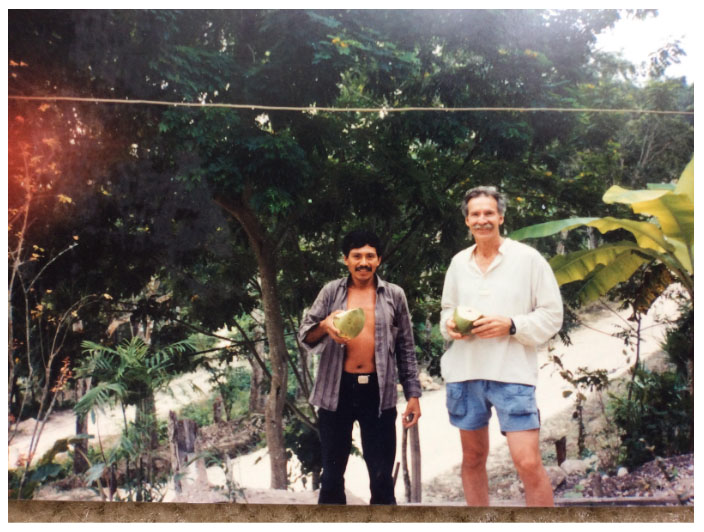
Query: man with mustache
{"points": [[495, 364], [356, 378]]}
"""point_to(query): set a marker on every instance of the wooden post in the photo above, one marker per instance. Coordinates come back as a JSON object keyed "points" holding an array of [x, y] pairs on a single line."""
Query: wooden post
{"points": [[182, 438], [415, 464], [173, 446], [404, 463], [412, 479], [561, 450], [218, 409]]}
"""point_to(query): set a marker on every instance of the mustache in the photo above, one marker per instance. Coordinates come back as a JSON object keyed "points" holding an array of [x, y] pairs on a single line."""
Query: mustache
{"points": [[360, 268], [483, 226]]}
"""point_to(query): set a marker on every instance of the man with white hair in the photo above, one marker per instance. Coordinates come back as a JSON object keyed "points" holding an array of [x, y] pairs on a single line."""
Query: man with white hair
{"points": [[495, 363]]}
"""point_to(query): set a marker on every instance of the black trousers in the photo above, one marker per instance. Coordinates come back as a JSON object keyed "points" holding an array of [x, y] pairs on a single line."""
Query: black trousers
{"points": [[358, 402]]}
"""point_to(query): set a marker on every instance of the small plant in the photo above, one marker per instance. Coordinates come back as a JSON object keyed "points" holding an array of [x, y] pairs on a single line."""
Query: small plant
{"points": [[582, 381], [654, 419], [218, 459]]}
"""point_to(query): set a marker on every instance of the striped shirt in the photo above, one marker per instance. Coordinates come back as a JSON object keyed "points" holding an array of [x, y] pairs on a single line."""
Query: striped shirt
{"points": [[394, 348]]}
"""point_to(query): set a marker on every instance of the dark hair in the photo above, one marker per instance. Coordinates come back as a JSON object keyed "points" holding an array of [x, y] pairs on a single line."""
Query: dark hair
{"points": [[360, 238], [484, 191]]}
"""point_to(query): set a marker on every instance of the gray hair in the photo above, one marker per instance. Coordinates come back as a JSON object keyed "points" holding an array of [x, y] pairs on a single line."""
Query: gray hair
{"points": [[484, 191]]}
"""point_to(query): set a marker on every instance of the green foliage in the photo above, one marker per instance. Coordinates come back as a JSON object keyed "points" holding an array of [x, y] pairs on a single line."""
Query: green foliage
{"points": [[679, 342], [304, 442], [667, 238], [201, 412], [656, 420], [430, 346], [130, 372], [35, 477], [582, 381], [135, 453], [234, 392]]}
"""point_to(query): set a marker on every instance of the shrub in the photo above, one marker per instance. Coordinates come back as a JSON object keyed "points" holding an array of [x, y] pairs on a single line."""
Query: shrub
{"points": [[200, 412], [679, 342], [655, 420], [304, 442]]}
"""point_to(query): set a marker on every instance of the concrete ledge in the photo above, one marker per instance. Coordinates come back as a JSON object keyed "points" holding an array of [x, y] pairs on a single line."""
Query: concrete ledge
{"points": [[126, 512]]}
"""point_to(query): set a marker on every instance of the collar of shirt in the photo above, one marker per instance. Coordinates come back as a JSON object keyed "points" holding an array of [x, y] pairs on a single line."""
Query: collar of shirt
{"points": [[378, 281], [497, 260]]}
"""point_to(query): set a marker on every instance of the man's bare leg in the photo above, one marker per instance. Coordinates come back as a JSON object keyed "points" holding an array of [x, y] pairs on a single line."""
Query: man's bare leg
{"points": [[475, 449], [525, 451]]}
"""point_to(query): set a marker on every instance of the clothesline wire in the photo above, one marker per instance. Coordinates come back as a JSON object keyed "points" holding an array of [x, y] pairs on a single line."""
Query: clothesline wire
{"points": [[314, 109]]}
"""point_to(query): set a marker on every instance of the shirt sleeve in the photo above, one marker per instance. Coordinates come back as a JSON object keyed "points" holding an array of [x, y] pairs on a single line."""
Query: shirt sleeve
{"points": [[405, 350], [317, 313], [545, 320], [449, 300]]}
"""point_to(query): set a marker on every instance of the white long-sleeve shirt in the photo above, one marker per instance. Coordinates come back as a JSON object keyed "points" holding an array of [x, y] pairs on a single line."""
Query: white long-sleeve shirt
{"points": [[518, 284]]}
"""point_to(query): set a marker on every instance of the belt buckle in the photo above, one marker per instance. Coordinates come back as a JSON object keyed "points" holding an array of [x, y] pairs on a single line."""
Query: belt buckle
{"points": [[362, 379]]}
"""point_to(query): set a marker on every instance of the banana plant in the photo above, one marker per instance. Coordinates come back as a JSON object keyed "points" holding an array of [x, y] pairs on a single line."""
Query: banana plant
{"points": [[666, 238]]}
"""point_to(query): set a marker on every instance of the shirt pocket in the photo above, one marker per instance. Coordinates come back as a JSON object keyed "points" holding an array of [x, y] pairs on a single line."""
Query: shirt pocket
{"points": [[454, 399]]}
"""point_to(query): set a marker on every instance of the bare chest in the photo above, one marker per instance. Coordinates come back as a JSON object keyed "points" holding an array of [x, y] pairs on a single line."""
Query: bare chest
{"points": [[365, 299], [360, 350]]}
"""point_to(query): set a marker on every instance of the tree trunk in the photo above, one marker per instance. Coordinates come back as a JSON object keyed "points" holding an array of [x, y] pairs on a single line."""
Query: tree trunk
{"points": [[593, 238], [145, 419], [274, 324], [257, 402]]}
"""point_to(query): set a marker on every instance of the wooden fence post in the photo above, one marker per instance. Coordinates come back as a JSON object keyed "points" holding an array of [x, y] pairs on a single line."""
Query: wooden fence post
{"points": [[182, 438], [412, 479]]}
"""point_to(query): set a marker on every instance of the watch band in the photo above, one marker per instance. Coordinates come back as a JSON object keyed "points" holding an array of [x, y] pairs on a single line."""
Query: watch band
{"points": [[512, 330]]}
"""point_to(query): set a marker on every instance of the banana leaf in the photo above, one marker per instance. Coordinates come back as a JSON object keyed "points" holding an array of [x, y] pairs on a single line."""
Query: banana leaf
{"points": [[605, 278], [685, 185], [549, 228], [622, 257], [646, 234], [674, 212]]}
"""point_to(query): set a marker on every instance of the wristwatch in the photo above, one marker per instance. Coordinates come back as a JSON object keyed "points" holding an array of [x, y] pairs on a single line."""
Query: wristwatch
{"points": [[512, 330]]}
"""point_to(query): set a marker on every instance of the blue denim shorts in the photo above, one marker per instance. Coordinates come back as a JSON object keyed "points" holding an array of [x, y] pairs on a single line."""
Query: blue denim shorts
{"points": [[469, 405]]}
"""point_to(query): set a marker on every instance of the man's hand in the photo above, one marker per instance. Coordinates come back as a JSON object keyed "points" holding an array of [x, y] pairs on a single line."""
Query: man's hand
{"points": [[492, 326], [329, 327], [412, 413], [452, 330]]}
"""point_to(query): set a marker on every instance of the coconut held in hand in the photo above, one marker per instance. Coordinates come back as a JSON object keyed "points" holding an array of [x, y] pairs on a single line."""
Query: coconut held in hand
{"points": [[350, 323], [464, 318]]}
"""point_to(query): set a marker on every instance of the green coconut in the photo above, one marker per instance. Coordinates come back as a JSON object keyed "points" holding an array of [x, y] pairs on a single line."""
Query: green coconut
{"points": [[464, 318], [350, 323]]}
